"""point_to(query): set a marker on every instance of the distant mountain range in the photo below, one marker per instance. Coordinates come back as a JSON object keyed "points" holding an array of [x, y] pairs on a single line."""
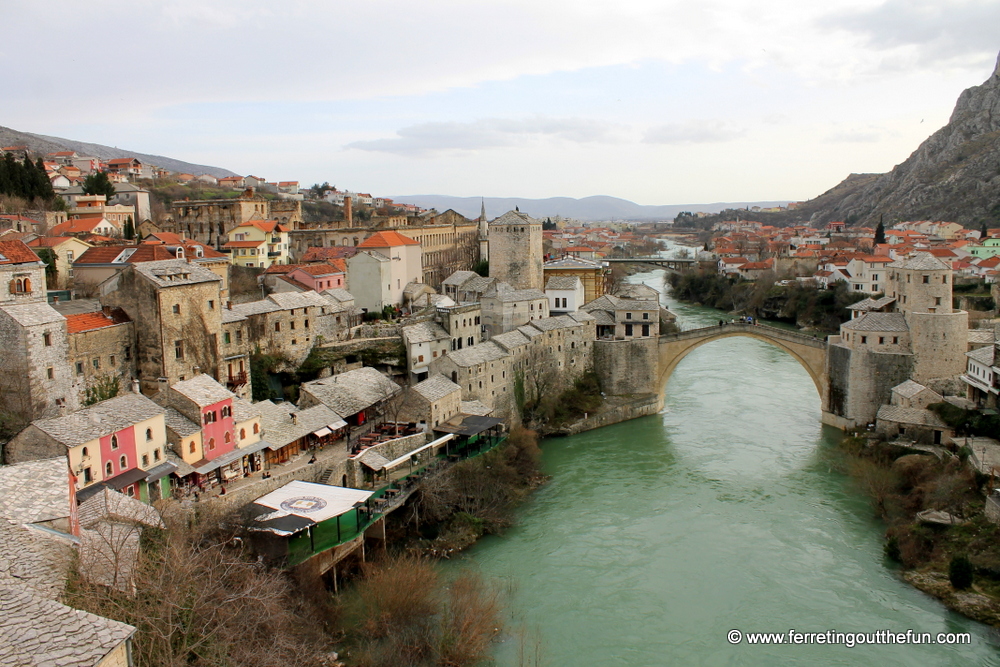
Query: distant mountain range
{"points": [[39, 143], [587, 209]]}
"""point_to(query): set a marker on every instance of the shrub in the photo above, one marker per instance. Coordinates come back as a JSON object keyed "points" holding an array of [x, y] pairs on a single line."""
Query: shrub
{"points": [[891, 549], [960, 572]]}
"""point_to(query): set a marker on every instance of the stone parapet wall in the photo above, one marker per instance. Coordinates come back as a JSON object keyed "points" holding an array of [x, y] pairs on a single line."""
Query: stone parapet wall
{"points": [[627, 367]]}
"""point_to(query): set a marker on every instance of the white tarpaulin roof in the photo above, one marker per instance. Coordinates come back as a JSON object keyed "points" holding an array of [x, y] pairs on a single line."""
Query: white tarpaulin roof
{"points": [[316, 502]]}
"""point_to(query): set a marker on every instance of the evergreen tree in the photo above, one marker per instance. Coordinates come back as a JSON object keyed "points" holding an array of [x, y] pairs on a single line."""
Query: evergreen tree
{"points": [[880, 232], [984, 233], [98, 183], [45, 190], [960, 572], [129, 231]]}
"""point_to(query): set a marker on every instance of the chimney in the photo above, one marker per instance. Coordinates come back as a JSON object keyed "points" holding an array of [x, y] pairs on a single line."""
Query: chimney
{"points": [[229, 305], [197, 370], [135, 386], [295, 418], [55, 299], [348, 215], [162, 384]]}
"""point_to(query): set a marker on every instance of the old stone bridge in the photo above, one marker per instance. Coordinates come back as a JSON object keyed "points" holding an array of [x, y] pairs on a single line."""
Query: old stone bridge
{"points": [[644, 366]]}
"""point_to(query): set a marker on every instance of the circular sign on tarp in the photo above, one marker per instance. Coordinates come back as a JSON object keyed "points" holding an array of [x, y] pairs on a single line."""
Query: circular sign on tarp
{"points": [[303, 504]]}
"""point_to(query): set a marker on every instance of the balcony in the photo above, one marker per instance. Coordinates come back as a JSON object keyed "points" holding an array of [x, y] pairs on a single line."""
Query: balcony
{"points": [[274, 254], [236, 381]]}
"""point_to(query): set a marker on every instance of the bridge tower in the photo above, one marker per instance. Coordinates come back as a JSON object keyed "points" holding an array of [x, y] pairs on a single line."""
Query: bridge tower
{"points": [[515, 250]]}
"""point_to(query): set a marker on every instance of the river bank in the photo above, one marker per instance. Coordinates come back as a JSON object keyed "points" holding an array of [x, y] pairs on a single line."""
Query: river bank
{"points": [[932, 513]]}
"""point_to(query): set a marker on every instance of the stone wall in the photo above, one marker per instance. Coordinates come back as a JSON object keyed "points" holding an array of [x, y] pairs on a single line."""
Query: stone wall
{"points": [[860, 381], [939, 341], [391, 450], [641, 406], [101, 353], [627, 367]]}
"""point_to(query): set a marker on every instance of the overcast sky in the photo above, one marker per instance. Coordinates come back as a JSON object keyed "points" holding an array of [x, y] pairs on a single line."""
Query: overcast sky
{"points": [[657, 101]]}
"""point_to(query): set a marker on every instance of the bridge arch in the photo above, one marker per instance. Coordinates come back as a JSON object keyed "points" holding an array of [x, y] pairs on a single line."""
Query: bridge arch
{"points": [[808, 351]]}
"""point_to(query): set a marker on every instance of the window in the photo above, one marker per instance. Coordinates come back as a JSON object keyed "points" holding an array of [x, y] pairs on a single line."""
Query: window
{"points": [[895, 340], [306, 324], [645, 316], [211, 304], [864, 339], [881, 340], [191, 447], [277, 326], [156, 454], [145, 460], [226, 338], [177, 309], [628, 316], [937, 301], [243, 434], [108, 470], [50, 373], [47, 339], [211, 444], [87, 476], [420, 359], [114, 442], [179, 349], [149, 434], [96, 363], [84, 452], [256, 427], [228, 437], [295, 341], [291, 325], [239, 335], [128, 353], [927, 279], [79, 368]]}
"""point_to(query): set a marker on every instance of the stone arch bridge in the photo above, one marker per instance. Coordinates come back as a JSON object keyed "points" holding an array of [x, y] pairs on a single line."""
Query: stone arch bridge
{"points": [[807, 350]]}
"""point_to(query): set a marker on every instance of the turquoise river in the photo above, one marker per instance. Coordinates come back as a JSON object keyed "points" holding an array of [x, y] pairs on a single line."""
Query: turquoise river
{"points": [[657, 537]]}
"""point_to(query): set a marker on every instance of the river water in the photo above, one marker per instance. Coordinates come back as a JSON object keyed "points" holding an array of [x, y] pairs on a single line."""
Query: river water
{"points": [[656, 537]]}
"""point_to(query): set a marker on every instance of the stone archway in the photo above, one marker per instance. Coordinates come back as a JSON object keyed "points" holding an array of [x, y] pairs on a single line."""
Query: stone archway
{"points": [[808, 351]]}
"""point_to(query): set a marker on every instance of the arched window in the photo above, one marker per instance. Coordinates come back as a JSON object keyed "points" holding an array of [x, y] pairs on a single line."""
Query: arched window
{"points": [[243, 434], [84, 452], [123, 462], [27, 284], [228, 437], [191, 447], [256, 427], [211, 444], [149, 434], [114, 442], [107, 469]]}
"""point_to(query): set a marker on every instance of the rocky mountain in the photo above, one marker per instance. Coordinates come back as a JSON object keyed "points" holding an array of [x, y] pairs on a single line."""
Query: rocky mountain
{"points": [[40, 143], [587, 208], [954, 175]]}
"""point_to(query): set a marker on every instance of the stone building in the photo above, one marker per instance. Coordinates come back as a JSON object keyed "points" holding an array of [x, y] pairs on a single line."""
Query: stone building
{"points": [[101, 351], [566, 294], [290, 324], [463, 323], [433, 401], [448, 241], [485, 374], [236, 350], [620, 318], [370, 275], [424, 341], [595, 276], [210, 220], [911, 334], [405, 264], [505, 308], [180, 308], [358, 396], [35, 379], [516, 251], [22, 274], [120, 443]]}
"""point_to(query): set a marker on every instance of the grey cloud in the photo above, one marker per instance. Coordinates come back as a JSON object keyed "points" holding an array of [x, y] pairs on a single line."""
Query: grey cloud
{"points": [[485, 134], [963, 30], [693, 132]]}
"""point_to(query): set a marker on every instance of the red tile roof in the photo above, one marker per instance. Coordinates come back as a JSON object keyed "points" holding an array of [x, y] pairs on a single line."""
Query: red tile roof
{"points": [[87, 322], [387, 240], [78, 225], [48, 241], [335, 252], [318, 269], [107, 255], [16, 252], [244, 244]]}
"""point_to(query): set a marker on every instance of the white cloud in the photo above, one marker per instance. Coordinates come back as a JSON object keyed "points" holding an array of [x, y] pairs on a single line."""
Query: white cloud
{"points": [[487, 133], [701, 131]]}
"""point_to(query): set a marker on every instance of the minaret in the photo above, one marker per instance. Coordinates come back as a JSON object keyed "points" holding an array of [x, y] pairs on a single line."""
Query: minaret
{"points": [[484, 231]]}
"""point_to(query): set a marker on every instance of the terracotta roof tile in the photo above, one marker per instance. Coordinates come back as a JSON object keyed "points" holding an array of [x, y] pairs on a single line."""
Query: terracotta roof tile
{"points": [[75, 323], [16, 252], [387, 240]]}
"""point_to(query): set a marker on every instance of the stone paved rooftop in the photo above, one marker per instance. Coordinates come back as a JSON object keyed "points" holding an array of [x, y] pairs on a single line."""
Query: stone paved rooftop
{"points": [[203, 390], [436, 387], [100, 419], [35, 491]]}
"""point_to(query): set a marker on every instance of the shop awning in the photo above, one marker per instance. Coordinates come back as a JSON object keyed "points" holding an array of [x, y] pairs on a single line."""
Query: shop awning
{"points": [[340, 423], [322, 432], [229, 457], [160, 471], [127, 478]]}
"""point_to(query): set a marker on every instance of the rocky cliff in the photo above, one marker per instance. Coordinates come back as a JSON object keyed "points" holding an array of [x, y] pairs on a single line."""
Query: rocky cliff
{"points": [[954, 175]]}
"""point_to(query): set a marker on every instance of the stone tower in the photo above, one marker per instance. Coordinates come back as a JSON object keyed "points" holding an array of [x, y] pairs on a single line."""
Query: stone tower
{"points": [[484, 236], [515, 250]]}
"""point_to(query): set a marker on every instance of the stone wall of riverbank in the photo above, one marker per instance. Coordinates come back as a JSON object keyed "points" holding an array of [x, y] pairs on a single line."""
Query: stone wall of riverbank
{"points": [[615, 410]]}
